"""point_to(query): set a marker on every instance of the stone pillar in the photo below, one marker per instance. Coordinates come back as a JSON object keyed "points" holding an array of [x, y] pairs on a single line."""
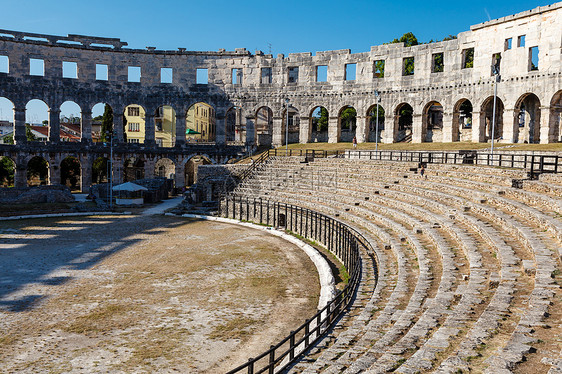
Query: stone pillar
{"points": [[19, 128], [20, 173], [179, 175], [304, 130], [278, 132], [548, 125], [220, 137], [239, 130], [478, 127], [250, 130], [417, 129], [362, 129], [86, 126], [118, 128], [390, 129], [334, 130], [54, 125], [149, 130], [118, 169], [149, 165], [86, 173], [448, 128], [180, 129], [510, 127], [54, 172]]}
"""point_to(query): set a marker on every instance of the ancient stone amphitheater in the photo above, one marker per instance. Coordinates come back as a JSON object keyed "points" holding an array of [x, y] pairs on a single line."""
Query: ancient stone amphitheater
{"points": [[462, 270]]}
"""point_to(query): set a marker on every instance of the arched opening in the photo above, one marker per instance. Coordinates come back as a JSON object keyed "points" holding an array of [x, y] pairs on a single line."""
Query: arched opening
{"points": [[527, 116], [347, 120], [7, 171], [319, 118], [100, 170], [200, 123], [165, 126], [191, 168], [70, 122], [264, 126], [165, 168], [6, 121], [432, 122], [134, 124], [70, 173], [487, 115], [37, 171], [462, 121], [555, 120], [374, 114], [37, 121], [102, 122], [403, 117], [133, 169]]}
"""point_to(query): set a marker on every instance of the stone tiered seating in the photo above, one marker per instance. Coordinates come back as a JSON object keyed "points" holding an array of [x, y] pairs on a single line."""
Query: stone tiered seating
{"points": [[469, 266]]}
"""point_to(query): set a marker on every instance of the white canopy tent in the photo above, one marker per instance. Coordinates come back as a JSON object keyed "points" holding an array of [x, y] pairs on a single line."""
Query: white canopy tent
{"points": [[129, 194]]}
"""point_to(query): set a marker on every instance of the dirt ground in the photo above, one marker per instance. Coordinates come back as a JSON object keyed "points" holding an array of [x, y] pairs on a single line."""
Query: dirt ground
{"points": [[124, 294]]}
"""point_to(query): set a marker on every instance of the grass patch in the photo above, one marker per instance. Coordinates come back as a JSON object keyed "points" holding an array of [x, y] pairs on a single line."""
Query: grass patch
{"points": [[236, 328], [104, 319]]}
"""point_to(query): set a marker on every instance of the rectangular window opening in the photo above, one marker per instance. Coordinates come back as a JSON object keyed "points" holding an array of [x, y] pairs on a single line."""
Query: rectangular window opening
{"points": [[521, 41], [438, 64], [408, 66], [134, 74], [102, 72], [4, 64], [202, 76], [496, 62], [378, 69], [468, 58], [293, 74], [69, 70], [350, 72], [133, 111], [166, 75], [533, 58], [266, 77], [507, 44], [36, 67], [322, 73], [237, 76]]}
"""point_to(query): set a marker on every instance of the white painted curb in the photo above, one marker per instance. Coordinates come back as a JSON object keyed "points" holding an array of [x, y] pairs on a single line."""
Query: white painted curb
{"points": [[327, 281], [64, 215]]}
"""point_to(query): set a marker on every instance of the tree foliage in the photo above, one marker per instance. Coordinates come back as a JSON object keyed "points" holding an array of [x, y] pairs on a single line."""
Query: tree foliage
{"points": [[99, 170], [321, 120], [7, 168], [37, 167], [348, 118], [70, 171], [106, 124], [409, 39]]}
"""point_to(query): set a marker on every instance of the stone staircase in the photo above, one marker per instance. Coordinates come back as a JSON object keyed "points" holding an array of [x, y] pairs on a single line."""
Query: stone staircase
{"points": [[468, 266]]}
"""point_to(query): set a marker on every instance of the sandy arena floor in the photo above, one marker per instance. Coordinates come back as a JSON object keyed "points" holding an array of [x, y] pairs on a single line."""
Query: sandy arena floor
{"points": [[122, 294]]}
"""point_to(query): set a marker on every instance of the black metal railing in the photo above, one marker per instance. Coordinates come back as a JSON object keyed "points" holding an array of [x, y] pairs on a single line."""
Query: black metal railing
{"points": [[339, 238]]}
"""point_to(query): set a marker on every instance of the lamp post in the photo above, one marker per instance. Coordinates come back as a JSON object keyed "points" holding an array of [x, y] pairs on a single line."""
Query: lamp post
{"points": [[377, 96], [110, 170], [496, 71], [287, 127]]}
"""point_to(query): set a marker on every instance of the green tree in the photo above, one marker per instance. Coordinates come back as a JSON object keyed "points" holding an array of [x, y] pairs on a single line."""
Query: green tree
{"points": [[37, 167], [348, 118], [322, 121], [409, 39], [70, 171], [7, 167], [106, 124], [99, 170]]}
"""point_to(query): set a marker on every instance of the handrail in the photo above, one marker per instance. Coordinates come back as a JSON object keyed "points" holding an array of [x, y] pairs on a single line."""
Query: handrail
{"points": [[341, 239]]}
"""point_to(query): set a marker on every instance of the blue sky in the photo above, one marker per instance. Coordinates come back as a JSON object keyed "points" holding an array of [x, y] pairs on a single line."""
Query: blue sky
{"points": [[279, 27]]}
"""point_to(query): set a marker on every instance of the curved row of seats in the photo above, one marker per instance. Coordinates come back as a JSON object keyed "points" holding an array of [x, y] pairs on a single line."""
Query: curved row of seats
{"points": [[469, 266]]}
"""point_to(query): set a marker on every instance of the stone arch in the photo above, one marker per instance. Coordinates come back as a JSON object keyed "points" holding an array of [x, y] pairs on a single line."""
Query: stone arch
{"points": [[526, 116], [134, 124], [165, 168], [190, 167], [165, 126], [293, 123], [432, 122], [319, 120], [100, 172], [201, 123], [7, 171], [98, 112], [37, 171], [40, 122], [264, 126], [403, 122], [347, 123], [70, 172], [486, 120], [70, 121], [555, 120], [233, 125], [6, 121], [462, 120], [371, 122], [133, 169]]}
